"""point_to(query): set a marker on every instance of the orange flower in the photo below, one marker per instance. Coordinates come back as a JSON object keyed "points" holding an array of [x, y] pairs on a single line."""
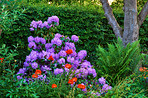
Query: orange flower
{"points": [[68, 66], [54, 85], [142, 69], [70, 81], [1, 59], [51, 58], [38, 72], [74, 79], [81, 86], [145, 76], [34, 76], [69, 51]]}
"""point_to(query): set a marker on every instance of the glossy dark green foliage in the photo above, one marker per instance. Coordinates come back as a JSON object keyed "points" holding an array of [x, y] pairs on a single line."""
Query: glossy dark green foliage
{"points": [[90, 25]]}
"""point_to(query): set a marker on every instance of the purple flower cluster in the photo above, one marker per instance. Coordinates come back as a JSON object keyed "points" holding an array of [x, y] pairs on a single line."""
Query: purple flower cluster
{"points": [[34, 42], [57, 53], [53, 19], [74, 38], [47, 24]]}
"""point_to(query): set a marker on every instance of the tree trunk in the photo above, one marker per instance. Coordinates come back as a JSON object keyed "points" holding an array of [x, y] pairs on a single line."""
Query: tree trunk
{"points": [[131, 29]]}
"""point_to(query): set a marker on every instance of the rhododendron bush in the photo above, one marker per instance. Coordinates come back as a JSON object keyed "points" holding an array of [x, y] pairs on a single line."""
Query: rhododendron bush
{"points": [[56, 56]]}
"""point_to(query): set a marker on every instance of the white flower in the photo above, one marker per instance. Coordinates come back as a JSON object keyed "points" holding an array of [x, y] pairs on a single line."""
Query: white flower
{"points": [[49, 2]]}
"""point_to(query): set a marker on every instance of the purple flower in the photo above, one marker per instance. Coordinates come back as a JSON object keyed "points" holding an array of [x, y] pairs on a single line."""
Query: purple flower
{"points": [[56, 41], [67, 70], [33, 24], [94, 75], [48, 45], [84, 90], [84, 72], [72, 84], [57, 71], [51, 50], [78, 75], [74, 38], [70, 60], [58, 35], [74, 54], [41, 77], [59, 42], [61, 61], [26, 64], [37, 39], [43, 41], [40, 55], [40, 25], [46, 68], [32, 45], [53, 19], [67, 38], [91, 71], [49, 20], [66, 48], [45, 24], [71, 45], [22, 70], [28, 58], [106, 87], [19, 77], [98, 94], [82, 54], [62, 53], [34, 65], [45, 53], [85, 64], [76, 62], [101, 80], [31, 29], [30, 39], [33, 55], [56, 56]]}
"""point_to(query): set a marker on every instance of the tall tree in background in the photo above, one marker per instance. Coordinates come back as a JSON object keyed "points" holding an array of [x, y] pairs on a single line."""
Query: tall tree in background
{"points": [[132, 21]]}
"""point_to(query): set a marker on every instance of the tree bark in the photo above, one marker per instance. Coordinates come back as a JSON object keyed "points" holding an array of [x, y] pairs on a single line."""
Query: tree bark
{"points": [[131, 29], [143, 14], [110, 17]]}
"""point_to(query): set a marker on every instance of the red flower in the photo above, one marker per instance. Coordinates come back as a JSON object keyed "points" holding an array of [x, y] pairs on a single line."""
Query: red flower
{"points": [[51, 58], [54, 85], [69, 51], [70, 81], [38, 72], [74, 79], [68, 66], [81, 86], [1, 59], [34, 76]]}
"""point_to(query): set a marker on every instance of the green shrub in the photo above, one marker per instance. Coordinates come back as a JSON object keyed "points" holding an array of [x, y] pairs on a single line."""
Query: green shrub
{"points": [[88, 23], [8, 55]]}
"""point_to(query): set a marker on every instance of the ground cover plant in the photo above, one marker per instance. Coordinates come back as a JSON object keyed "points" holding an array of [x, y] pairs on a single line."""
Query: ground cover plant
{"points": [[51, 81]]}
